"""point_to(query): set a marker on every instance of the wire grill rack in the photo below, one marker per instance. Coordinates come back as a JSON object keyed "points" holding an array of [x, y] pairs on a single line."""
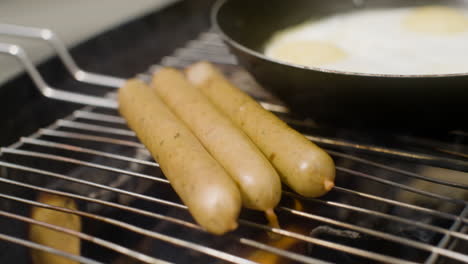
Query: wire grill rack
{"points": [[382, 200]]}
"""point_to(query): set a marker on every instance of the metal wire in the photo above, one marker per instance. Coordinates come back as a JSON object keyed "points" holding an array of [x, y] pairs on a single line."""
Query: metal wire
{"points": [[47, 249], [282, 232], [359, 174], [95, 128], [154, 164], [404, 241], [402, 204], [445, 240], [400, 171], [20, 55], [59, 47], [80, 163], [51, 144], [180, 222], [324, 243], [99, 117], [382, 235], [126, 132], [73, 148], [381, 215], [122, 250], [138, 230]]}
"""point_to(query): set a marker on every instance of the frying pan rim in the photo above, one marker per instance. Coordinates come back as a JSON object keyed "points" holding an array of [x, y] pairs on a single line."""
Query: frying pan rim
{"points": [[217, 28]]}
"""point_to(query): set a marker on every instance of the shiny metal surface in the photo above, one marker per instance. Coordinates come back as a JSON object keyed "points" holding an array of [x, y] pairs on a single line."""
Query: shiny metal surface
{"points": [[20, 55], [61, 50]]}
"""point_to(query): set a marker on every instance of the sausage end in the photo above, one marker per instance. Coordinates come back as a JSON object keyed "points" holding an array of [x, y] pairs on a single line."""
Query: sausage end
{"points": [[199, 72], [328, 184]]}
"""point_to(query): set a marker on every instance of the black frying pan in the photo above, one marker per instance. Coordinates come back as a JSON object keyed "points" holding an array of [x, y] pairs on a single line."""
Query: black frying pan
{"points": [[337, 97]]}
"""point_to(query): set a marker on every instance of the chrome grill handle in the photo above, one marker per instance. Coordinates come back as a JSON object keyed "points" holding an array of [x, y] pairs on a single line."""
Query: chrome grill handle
{"points": [[48, 91], [59, 47]]}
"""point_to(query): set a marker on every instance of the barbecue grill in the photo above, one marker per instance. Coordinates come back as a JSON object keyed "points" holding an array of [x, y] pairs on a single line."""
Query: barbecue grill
{"points": [[399, 198]]}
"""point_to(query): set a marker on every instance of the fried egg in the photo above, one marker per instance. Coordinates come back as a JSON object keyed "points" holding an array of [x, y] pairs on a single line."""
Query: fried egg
{"points": [[403, 41]]}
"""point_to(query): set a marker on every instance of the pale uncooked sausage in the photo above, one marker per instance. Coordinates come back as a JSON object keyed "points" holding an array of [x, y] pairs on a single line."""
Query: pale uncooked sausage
{"points": [[210, 194], [302, 165], [258, 181], [52, 238]]}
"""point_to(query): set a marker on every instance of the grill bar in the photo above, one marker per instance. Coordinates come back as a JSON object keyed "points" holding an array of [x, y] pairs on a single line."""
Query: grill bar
{"points": [[99, 117], [324, 243], [454, 153], [401, 186], [382, 215], [71, 135], [97, 201], [402, 204], [109, 155], [201, 44], [355, 173], [263, 227], [125, 251], [96, 128], [345, 170], [449, 148], [245, 241], [404, 241], [127, 132], [370, 212], [400, 171], [88, 183], [345, 225], [211, 56], [279, 231], [430, 159], [74, 148], [281, 252], [444, 241], [80, 163], [460, 133], [336, 246], [461, 236], [148, 233], [422, 158], [54, 251]]}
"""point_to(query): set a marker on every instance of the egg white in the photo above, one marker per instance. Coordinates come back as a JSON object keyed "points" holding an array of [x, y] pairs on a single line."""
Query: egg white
{"points": [[376, 42]]}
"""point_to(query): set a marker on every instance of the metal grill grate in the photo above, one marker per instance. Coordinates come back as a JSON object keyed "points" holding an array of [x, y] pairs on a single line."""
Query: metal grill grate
{"points": [[387, 206]]}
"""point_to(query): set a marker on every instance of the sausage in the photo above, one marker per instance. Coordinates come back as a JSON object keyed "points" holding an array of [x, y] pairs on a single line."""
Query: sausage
{"points": [[258, 181], [55, 239], [210, 194], [302, 165]]}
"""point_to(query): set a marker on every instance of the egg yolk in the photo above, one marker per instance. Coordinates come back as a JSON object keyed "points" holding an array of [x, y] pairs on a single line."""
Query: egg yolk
{"points": [[308, 53]]}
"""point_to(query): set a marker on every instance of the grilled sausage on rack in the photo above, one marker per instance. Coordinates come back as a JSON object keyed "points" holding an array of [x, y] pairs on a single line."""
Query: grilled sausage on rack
{"points": [[55, 239], [258, 181], [212, 197], [302, 165]]}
